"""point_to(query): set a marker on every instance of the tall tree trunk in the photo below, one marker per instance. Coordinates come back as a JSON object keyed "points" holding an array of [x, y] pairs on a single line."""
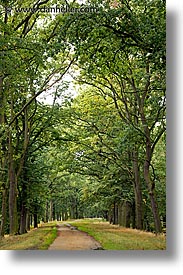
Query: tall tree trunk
{"points": [[128, 214], [151, 191], [77, 214], [23, 219], [138, 191], [63, 216], [3, 159], [133, 215], [12, 192], [19, 172], [151, 184], [110, 216], [47, 212], [148, 157], [23, 200], [12, 180], [51, 211], [120, 220], [28, 221], [4, 209], [72, 212], [115, 213], [35, 220], [1, 102], [4, 187]]}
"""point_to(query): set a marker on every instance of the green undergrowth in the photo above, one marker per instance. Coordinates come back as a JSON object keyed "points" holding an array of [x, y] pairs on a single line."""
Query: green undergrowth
{"points": [[36, 239], [114, 237]]}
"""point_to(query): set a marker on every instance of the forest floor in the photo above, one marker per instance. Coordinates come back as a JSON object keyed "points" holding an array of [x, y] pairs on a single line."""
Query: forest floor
{"points": [[84, 234], [69, 238]]}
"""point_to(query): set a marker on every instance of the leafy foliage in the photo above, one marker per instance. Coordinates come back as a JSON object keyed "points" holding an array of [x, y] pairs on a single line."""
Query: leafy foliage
{"points": [[101, 152]]}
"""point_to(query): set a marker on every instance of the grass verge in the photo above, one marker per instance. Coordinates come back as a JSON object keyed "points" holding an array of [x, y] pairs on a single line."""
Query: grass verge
{"points": [[36, 239], [113, 237]]}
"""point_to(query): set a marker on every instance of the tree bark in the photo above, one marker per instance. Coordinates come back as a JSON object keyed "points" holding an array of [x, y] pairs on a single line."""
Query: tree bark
{"points": [[12, 199], [148, 152], [1, 101], [19, 172], [4, 193], [28, 221], [154, 206], [3, 159], [51, 211], [120, 220], [137, 190], [125, 214], [12, 190], [128, 214], [4, 208], [35, 220], [150, 183], [115, 213], [23, 219]]}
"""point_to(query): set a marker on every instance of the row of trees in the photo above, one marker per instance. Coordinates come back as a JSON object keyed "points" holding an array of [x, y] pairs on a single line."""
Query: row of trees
{"points": [[31, 64], [96, 146], [119, 122], [101, 153]]}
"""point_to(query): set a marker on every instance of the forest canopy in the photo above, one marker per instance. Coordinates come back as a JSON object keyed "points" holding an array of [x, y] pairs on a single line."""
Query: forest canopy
{"points": [[97, 147]]}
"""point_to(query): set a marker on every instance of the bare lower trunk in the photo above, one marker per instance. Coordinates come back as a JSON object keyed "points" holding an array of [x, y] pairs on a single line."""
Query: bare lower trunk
{"points": [[12, 200], [35, 220], [51, 211], [2, 101], [124, 213], [151, 191], [12, 181], [116, 213], [4, 207], [149, 183], [28, 221], [23, 219], [3, 158], [138, 191], [46, 219]]}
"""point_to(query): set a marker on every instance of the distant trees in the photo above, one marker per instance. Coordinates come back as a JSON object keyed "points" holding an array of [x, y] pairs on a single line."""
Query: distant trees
{"points": [[100, 148]]}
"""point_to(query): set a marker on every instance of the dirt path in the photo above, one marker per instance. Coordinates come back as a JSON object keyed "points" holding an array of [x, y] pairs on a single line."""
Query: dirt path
{"points": [[69, 238]]}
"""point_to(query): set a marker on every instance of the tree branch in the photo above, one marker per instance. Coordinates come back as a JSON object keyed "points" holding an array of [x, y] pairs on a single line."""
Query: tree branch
{"points": [[40, 92]]}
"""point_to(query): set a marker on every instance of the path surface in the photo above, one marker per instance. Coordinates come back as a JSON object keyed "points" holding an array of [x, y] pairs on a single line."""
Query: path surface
{"points": [[69, 238]]}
